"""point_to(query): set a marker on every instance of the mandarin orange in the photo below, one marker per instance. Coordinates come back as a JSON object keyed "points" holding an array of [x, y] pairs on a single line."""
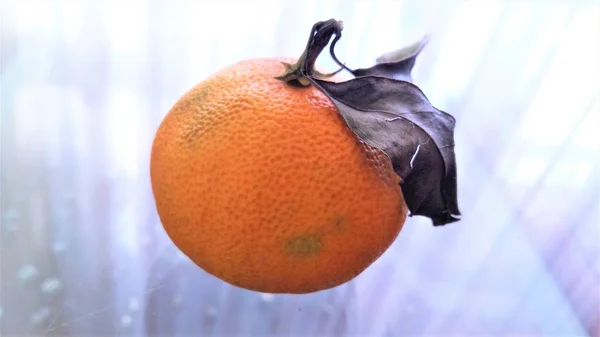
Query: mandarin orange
{"points": [[263, 185]]}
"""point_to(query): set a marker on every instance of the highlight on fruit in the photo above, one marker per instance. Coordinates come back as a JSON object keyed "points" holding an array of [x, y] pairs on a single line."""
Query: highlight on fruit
{"points": [[275, 177]]}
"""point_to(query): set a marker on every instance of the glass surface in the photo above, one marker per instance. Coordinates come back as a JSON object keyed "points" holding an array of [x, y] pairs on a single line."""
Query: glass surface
{"points": [[85, 84]]}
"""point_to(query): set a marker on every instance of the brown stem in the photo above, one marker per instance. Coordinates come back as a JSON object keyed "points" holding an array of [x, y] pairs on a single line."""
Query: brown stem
{"points": [[332, 53], [320, 34]]}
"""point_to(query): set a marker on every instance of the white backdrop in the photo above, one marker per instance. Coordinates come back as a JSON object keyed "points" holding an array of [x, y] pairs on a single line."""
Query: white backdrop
{"points": [[84, 85]]}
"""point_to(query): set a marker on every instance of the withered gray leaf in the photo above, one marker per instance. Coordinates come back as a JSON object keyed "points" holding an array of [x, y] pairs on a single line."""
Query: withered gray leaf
{"points": [[397, 64], [396, 117]]}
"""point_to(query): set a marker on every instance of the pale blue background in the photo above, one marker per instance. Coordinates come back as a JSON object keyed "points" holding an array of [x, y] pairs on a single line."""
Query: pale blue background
{"points": [[84, 85]]}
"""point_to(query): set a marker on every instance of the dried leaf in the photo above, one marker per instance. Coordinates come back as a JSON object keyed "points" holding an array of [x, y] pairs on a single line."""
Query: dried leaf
{"points": [[396, 117]]}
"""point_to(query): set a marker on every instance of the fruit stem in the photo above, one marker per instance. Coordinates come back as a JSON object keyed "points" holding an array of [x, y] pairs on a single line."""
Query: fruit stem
{"points": [[297, 74]]}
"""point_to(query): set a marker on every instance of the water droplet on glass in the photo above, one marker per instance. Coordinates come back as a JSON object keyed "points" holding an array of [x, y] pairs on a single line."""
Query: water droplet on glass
{"points": [[58, 247], [210, 312], [10, 226], [10, 215], [267, 297], [177, 299], [39, 316], [27, 272], [126, 320], [10, 219], [134, 304], [51, 285]]}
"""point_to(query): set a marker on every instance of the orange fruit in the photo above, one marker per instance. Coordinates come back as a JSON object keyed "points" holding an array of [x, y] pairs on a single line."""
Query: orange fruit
{"points": [[262, 184]]}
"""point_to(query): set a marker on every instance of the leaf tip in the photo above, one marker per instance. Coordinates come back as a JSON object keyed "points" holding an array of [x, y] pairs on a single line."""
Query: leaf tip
{"points": [[405, 52]]}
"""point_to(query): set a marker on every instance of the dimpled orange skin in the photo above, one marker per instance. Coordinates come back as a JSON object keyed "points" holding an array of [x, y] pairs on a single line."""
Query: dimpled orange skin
{"points": [[263, 185]]}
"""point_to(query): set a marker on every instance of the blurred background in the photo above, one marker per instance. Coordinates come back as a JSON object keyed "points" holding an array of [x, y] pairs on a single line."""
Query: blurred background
{"points": [[85, 84]]}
